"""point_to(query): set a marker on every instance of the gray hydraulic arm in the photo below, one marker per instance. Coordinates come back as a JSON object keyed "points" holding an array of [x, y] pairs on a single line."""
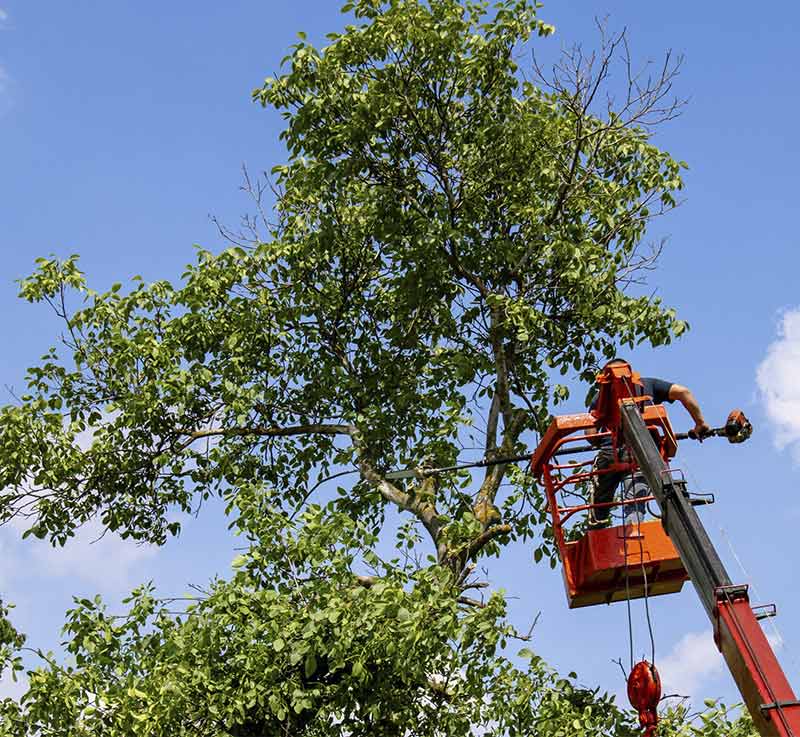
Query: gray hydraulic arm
{"points": [[737, 633]]}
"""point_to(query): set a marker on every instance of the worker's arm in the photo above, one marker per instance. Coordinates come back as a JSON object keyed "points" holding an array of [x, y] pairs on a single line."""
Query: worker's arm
{"points": [[686, 398]]}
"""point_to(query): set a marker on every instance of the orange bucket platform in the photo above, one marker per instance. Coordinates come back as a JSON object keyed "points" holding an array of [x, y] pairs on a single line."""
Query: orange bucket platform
{"points": [[595, 566]]}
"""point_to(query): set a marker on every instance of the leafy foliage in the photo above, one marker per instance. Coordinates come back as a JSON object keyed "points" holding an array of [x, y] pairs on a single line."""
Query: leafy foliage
{"points": [[360, 660], [449, 237], [445, 234], [295, 643]]}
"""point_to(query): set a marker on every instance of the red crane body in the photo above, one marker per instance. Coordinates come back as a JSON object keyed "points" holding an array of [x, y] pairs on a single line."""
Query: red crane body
{"points": [[616, 563]]}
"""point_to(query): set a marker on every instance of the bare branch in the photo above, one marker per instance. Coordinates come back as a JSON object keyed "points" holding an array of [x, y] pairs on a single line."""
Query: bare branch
{"points": [[471, 602], [366, 581], [272, 432], [486, 537], [422, 508]]}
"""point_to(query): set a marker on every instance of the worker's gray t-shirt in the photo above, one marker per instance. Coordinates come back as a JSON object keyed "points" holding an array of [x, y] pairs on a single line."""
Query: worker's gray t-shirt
{"points": [[658, 389]]}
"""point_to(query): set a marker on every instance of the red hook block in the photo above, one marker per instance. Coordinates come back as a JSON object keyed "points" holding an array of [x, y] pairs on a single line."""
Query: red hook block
{"points": [[644, 692]]}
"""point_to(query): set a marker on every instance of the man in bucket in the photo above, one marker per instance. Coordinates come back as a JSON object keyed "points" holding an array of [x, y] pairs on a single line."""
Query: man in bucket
{"points": [[604, 485]]}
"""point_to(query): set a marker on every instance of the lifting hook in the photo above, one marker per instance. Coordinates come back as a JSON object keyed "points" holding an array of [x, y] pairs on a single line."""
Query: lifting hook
{"points": [[644, 692]]}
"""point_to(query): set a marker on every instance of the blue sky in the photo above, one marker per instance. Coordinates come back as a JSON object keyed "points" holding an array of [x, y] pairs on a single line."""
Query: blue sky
{"points": [[124, 125]]}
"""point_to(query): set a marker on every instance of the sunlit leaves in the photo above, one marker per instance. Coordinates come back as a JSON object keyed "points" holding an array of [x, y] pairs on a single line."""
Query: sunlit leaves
{"points": [[294, 642], [447, 237]]}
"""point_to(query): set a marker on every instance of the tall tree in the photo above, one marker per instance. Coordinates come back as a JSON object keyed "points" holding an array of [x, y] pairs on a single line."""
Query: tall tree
{"points": [[450, 232]]}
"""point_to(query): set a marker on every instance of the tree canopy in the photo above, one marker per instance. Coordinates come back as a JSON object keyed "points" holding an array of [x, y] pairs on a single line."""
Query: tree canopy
{"points": [[449, 234]]}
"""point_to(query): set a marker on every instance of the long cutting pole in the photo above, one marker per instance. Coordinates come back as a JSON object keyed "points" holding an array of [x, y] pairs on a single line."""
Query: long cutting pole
{"points": [[410, 473]]}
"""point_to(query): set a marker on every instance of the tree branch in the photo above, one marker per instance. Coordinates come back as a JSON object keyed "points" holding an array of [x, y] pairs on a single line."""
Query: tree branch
{"points": [[486, 537], [271, 432], [423, 509]]}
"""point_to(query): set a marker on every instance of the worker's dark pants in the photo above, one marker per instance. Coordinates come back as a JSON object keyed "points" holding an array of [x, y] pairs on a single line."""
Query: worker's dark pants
{"points": [[604, 485]]}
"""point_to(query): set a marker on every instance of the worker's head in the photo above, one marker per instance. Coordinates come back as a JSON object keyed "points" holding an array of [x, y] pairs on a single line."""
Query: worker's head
{"points": [[592, 393], [612, 362], [617, 363]]}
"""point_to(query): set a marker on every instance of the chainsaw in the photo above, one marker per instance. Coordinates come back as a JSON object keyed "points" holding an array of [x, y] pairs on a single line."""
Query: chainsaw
{"points": [[737, 429]]}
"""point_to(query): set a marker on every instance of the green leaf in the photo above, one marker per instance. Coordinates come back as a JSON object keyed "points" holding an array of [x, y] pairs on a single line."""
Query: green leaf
{"points": [[310, 665], [429, 262]]}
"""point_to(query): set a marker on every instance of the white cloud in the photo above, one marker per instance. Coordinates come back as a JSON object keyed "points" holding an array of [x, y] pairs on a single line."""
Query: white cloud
{"points": [[10, 561], [10, 688], [693, 662], [5, 79], [777, 379], [105, 560], [93, 555], [775, 639], [6, 88]]}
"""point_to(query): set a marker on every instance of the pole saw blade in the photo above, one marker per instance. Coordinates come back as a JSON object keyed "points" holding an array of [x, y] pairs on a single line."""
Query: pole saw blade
{"points": [[408, 473]]}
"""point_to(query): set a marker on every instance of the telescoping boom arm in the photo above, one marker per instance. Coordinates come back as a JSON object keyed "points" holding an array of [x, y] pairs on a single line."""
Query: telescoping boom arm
{"points": [[737, 633]]}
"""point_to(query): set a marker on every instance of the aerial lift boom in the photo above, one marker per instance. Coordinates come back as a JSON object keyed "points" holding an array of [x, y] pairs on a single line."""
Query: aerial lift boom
{"points": [[655, 558], [603, 566], [737, 633]]}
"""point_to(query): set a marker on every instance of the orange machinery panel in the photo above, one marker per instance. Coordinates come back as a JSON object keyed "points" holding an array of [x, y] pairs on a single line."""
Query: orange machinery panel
{"points": [[594, 566]]}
